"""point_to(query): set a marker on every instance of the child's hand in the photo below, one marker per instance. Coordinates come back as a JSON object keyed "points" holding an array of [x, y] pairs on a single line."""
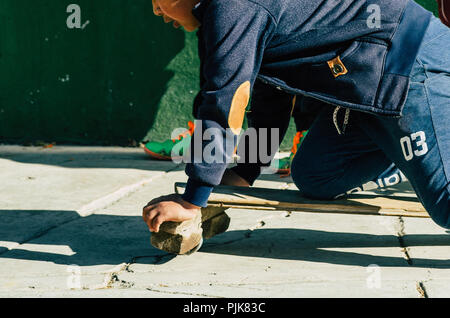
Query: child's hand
{"points": [[168, 208]]}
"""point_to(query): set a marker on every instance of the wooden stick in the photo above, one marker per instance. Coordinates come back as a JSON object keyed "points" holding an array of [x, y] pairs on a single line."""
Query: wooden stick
{"points": [[290, 200]]}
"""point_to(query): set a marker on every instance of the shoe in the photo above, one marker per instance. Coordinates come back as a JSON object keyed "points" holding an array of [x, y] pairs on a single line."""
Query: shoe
{"points": [[283, 165], [444, 11], [163, 150]]}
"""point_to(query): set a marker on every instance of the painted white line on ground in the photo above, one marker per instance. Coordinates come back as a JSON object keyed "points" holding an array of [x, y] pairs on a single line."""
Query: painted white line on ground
{"points": [[111, 198]]}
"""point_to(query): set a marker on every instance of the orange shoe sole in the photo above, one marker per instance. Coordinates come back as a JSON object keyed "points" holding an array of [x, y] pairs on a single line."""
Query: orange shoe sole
{"points": [[283, 171], [158, 156]]}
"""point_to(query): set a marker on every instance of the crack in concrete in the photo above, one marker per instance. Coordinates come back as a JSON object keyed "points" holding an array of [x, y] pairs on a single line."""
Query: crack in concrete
{"points": [[258, 225], [420, 286], [421, 289], [262, 222], [182, 293], [112, 279], [400, 233], [241, 283], [122, 283]]}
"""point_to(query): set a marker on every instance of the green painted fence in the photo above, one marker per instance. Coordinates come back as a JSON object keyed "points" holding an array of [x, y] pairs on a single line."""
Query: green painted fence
{"points": [[121, 76]]}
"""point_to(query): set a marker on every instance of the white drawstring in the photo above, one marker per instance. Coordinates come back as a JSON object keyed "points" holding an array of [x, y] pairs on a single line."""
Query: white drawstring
{"points": [[346, 117]]}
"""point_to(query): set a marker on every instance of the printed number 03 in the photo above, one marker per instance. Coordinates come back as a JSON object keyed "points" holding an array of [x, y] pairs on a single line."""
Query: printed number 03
{"points": [[421, 146]]}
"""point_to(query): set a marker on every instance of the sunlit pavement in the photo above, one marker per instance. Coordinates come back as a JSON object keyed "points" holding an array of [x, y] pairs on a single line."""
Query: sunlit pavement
{"points": [[71, 226]]}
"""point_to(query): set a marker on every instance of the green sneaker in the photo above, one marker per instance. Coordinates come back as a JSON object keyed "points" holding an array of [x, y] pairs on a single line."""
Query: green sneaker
{"points": [[283, 165], [163, 150]]}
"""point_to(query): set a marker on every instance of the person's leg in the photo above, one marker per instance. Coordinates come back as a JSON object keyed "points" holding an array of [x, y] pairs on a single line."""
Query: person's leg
{"points": [[419, 142], [329, 165], [305, 111], [389, 177]]}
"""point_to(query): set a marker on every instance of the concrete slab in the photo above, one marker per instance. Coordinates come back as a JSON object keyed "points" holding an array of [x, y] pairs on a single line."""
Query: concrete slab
{"points": [[51, 249], [286, 256], [95, 246], [45, 187], [115, 292], [428, 245], [66, 178]]}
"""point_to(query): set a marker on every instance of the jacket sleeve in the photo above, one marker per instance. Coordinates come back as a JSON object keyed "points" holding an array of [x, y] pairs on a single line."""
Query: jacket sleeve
{"points": [[233, 36]]}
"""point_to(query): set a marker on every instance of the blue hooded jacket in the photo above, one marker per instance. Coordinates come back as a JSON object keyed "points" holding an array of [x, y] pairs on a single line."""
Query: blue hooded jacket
{"points": [[355, 54]]}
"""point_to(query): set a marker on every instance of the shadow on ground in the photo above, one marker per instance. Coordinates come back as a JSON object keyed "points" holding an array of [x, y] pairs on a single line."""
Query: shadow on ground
{"points": [[86, 157], [404, 188], [62, 237], [312, 246]]}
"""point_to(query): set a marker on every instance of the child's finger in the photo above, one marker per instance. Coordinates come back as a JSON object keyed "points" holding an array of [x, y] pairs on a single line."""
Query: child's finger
{"points": [[156, 222], [150, 214], [146, 211]]}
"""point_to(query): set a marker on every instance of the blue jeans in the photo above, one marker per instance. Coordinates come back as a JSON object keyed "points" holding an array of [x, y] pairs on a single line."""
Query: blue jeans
{"points": [[377, 151]]}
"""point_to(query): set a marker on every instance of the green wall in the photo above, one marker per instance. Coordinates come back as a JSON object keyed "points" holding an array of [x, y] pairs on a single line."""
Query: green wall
{"points": [[99, 85], [123, 78]]}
